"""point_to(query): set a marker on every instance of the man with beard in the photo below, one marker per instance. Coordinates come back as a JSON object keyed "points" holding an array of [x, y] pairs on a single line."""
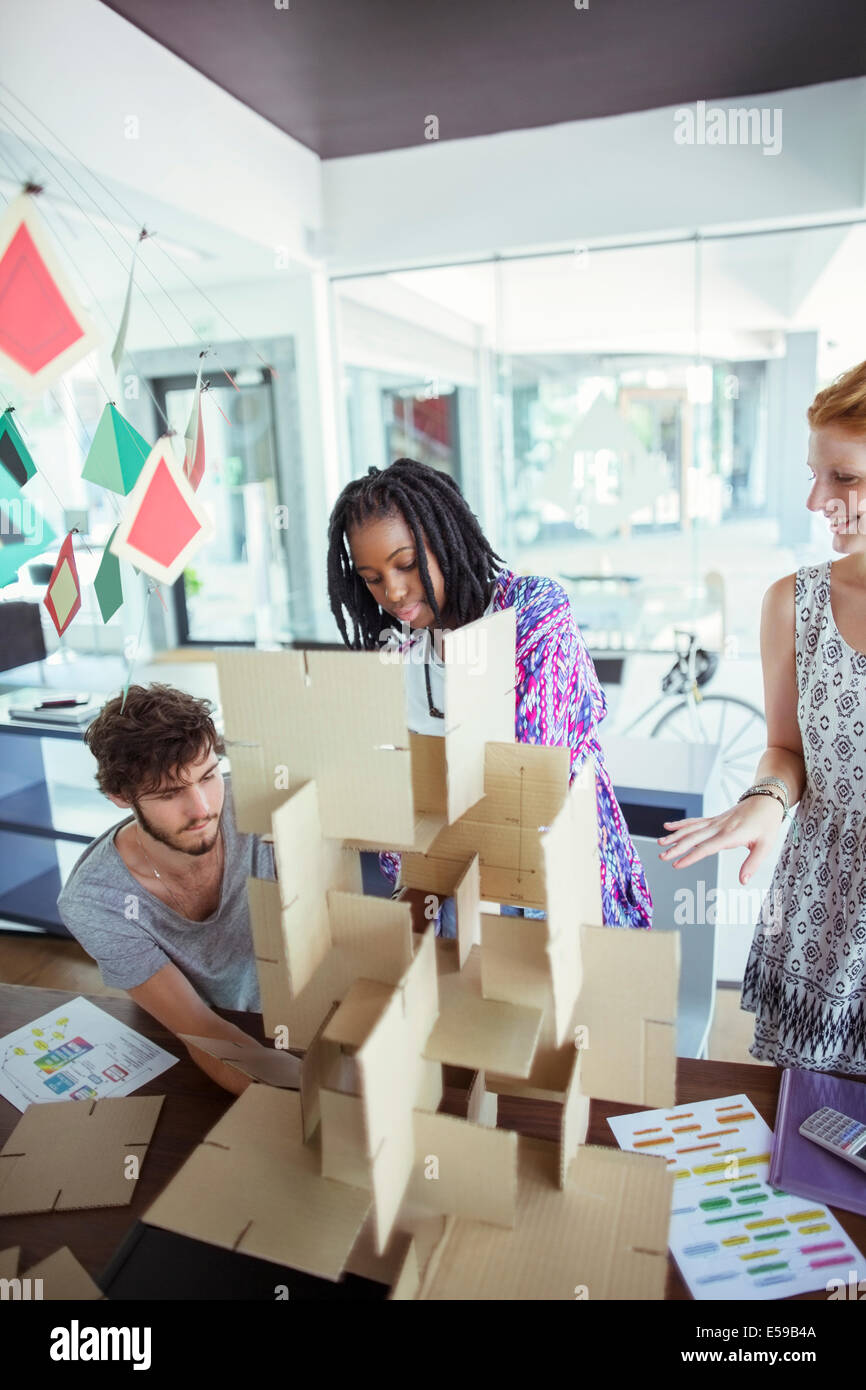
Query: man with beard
{"points": [[160, 900]]}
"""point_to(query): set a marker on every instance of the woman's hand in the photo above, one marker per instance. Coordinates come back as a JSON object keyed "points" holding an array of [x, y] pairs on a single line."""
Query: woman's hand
{"points": [[753, 823]]}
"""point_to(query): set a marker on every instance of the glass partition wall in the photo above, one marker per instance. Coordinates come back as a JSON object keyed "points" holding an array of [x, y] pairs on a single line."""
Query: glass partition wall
{"points": [[630, 421]]}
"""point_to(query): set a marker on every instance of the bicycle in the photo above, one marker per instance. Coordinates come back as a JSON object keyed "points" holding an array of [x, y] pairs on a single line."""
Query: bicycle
{"points": [[700, 718]]}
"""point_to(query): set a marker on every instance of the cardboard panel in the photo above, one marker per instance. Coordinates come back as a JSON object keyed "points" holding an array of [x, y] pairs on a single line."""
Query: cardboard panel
{"points": [[630, 981], [393, 1075], [302, 873], [479, 674], [372, 938], [428, 775], [62, 1156], [574, 1120], [607, 1231], [514, 963], [271, 1065], [353, 1020], [479, 703], [9, 1262], [63, 1277], [476, 1032], [464, 1168], [424, 832], [467, 900], [408, 1280], [413, 1225], [254, 1186], [252, 794], [344, 1149], [572, 886], [338, 718], [321, 1067]]}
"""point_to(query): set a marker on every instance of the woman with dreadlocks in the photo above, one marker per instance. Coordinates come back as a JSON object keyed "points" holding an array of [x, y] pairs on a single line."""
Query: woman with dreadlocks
{"points": [[403, 544]]}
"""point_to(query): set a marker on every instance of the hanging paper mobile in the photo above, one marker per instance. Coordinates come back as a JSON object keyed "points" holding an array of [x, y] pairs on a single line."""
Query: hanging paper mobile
{"points": [[118, 453], [163, 523], [24, 532], [107, 583], [14, 454], [43, 326], [63, 595]]}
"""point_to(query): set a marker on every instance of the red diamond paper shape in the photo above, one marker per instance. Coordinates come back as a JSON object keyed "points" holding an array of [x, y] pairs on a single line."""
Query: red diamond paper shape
{"points": [[43, 327], [164, 522], [63, 595]]}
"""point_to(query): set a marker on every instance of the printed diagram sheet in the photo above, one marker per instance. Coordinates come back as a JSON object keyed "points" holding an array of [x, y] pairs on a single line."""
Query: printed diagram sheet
{"points": [[79, 1052], [732, 1235]]}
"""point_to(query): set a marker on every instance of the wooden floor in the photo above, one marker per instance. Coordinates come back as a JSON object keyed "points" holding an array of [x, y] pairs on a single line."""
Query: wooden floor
{"points": [[53, 963]]}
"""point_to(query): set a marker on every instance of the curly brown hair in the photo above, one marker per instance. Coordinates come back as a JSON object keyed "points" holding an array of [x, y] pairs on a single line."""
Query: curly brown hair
{"points": [[139, 741]]}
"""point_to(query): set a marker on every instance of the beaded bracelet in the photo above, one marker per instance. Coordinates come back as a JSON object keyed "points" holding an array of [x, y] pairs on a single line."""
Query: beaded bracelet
{"points": [[776, 782], [786, 814]]}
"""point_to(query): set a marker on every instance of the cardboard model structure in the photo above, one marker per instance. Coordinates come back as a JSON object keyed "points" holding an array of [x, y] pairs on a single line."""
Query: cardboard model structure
{"points": [[357, 1171]]}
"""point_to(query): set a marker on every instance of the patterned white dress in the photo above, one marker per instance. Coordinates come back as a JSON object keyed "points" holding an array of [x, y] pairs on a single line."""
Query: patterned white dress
{"points": [[805, 979]]}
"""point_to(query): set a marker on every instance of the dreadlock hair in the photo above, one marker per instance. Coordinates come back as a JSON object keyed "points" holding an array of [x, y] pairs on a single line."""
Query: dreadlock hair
{"points": [[430, 501]]}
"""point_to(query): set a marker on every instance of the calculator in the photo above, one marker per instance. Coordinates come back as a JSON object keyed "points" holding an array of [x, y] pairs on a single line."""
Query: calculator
{"points": [[839, 1134]]}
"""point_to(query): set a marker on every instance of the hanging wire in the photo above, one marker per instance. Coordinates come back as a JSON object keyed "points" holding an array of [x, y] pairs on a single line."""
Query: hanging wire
{"points": [[126, 212]]}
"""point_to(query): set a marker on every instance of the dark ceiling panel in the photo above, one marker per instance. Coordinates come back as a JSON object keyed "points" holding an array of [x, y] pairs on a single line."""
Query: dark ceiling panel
{"points": [[350, 77]]}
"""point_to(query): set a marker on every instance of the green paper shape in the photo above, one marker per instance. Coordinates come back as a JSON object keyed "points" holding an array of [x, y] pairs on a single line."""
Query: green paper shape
{"points": [[117, 455], [24, 532], [15, 457], [108, 586]]}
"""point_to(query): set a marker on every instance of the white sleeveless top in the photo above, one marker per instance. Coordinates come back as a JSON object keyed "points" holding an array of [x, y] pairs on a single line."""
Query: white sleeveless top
{"points": [[805, 978]]}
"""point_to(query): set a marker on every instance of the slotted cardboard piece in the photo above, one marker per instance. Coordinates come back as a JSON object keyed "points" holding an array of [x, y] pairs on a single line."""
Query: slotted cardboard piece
{"points": [[63, 1277], [338, 718], [414, 1227], [572, 887], [628, 1007], [525, 786], [479, 703], [271, 1066], [253, 1185], [321, 1066], [464, 1169], [472, 1031], [372, 938], [605, 1232], [354, 1019], [574, 1120], [394, 1079], [64, 1155], [305, 869], [446, 878]]}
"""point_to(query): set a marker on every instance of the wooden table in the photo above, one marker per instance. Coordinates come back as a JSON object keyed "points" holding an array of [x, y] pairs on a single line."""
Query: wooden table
{"points": [[194, 1103]]}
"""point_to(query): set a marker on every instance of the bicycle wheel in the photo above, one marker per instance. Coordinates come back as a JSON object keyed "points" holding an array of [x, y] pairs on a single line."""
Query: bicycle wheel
{"points": [[737, 726]]}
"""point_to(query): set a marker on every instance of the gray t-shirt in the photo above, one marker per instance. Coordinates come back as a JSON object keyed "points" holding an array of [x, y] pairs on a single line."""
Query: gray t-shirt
{"points": [[131, 934]]}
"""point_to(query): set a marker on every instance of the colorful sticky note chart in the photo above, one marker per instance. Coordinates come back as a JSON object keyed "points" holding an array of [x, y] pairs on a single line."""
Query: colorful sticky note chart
{"points": [[164, 523], [732, 1234], [44, 327], [107, 583], [63, 595], [117, 455]]}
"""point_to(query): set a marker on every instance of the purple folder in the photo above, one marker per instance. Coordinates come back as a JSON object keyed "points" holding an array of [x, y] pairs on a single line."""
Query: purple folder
{"points": [[799, 1166]]}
